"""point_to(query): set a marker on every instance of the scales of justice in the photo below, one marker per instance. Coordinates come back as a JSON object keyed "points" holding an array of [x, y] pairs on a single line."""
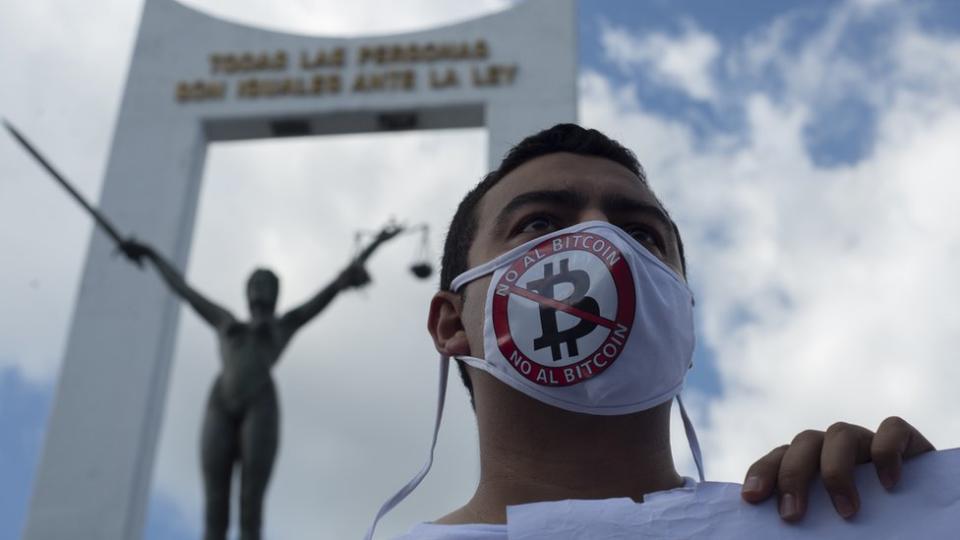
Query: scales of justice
{"points": [[195, 79]]}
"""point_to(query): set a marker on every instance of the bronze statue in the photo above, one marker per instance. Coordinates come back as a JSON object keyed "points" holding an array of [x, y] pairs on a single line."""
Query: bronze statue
{"points": [[241, 424]]}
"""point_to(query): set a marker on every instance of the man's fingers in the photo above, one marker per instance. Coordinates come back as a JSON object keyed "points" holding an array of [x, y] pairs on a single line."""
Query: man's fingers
{"points": [[844, 446], [762, 476], [895, 441], [836, 453], [800, 463]]}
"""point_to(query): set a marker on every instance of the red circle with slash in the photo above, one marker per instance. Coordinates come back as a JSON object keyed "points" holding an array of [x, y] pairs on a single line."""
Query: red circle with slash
{"points": [[593, 363]]}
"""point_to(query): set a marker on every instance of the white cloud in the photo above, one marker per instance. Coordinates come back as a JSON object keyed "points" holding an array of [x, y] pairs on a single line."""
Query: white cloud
{"points": [[827, 294], [684, 61]]}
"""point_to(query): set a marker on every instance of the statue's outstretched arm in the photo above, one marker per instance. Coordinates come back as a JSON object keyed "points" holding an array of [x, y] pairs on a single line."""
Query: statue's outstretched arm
{"points": [[215, 315], [354, 275]]}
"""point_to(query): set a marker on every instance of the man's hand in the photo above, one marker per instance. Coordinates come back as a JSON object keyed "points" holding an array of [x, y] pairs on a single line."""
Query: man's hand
{"points": [[354, 276], [135, 251], [789, 469]]}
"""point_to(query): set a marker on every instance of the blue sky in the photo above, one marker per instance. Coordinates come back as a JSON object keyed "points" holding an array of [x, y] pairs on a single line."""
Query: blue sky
{"points": [[798, 144]]}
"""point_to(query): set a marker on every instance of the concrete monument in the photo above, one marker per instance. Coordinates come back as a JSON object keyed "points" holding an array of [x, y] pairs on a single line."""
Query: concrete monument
{"points": [[195, 79]]}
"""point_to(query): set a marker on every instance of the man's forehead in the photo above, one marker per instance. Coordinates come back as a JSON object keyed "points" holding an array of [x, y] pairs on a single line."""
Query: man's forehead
{"points": [[593, 177]]}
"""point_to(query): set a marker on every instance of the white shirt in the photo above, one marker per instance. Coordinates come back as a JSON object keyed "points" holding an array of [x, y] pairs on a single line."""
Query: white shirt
{"points": [[485, 531]]}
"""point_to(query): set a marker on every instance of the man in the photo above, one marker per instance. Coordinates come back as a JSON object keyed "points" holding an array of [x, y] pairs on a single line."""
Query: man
{"points": [[541, 440]]}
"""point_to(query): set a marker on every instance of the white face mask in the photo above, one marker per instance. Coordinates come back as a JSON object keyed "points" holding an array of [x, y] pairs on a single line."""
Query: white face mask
{"points": [[584, 319], [587, 320]]}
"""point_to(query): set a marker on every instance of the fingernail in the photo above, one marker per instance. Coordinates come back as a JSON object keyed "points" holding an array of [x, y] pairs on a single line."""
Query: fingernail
{"points": [[788, 506], [844, 505], [888, 478], [752, 484]]}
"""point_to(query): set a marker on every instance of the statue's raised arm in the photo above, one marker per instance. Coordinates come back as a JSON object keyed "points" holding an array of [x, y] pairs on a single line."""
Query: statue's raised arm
{"points": [[215, 315], [388, 232], [353, 276]]}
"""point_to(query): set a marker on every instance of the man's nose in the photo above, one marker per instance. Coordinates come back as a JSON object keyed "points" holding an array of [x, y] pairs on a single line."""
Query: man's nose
{"points": [[593, 214]]}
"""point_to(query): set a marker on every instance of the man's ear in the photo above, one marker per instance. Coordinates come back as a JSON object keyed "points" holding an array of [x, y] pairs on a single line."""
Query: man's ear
{"points": [[445, 324]]}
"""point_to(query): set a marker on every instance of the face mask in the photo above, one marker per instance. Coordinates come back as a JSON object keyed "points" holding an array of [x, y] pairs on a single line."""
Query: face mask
{"points": [[584, 319]]}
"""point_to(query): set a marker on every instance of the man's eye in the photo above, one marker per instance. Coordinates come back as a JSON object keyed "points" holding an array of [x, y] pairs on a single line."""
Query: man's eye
{"points": [[648, 237], [535, 224]]}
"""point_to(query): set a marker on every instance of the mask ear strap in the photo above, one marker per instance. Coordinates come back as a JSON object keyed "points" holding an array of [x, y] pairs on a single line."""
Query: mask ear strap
{"points": [[691, 439], [415, 481]]}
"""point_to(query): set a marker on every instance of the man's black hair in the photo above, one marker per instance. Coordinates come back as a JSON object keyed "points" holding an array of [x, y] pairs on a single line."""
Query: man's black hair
{"points": [[569, 138]]}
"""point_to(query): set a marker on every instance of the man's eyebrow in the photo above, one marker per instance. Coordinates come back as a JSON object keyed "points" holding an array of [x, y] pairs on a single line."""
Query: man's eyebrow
{"points": [[569, 199], [623, 205]]}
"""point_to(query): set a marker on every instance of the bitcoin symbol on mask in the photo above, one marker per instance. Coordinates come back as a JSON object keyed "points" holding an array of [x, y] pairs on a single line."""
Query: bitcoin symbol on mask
{"points": [[553, 337]]}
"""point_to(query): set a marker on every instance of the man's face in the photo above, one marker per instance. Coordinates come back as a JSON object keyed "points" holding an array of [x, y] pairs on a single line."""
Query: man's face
{"points": [[553, 192]]}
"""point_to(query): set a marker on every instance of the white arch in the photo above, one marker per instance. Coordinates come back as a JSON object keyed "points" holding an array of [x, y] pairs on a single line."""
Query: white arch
{"points": [[94, 474]]}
